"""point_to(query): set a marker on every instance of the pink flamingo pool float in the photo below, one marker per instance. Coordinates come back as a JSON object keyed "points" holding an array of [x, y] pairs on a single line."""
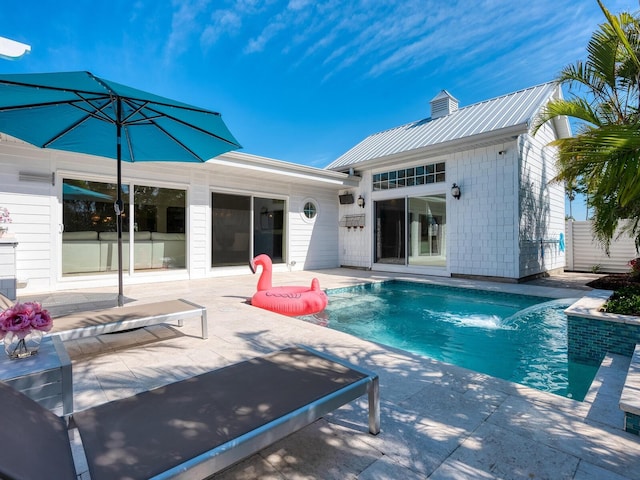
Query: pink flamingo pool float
{"points": [[290, 300]]}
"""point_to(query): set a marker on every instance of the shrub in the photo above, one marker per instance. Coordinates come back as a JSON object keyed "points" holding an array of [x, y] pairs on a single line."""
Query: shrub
{"points": [[625, 301]]}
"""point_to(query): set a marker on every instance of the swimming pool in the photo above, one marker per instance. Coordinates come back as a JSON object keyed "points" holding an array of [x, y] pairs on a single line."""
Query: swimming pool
{"points": [[519, 338]]}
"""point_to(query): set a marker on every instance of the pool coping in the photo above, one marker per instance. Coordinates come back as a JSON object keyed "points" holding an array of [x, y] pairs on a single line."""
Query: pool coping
{"points": [[590, 305]]}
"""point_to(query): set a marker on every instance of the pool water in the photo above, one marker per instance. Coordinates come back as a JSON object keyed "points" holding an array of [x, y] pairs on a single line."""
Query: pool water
{"points": [[518, 338]]}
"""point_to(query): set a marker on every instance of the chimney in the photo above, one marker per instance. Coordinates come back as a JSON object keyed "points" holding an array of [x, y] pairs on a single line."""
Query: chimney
{"points": [[443, 104]]}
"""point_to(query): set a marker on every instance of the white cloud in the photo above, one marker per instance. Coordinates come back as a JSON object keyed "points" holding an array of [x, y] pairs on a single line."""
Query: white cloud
{"points": [[183, 25], [373, 38], [222, 22]]}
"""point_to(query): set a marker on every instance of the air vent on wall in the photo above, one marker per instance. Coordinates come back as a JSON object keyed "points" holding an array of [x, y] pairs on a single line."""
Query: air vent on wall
{"points": [[37, 177], [346, 199]]}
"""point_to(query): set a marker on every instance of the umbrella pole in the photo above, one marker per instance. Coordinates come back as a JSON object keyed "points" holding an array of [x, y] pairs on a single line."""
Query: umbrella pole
{"points": [[119, 207]]}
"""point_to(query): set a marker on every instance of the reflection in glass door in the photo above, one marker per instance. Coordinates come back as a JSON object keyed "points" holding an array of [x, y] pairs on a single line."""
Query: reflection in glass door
{"points": [[89, 226], [427, 226], [390, 231], [268, 228], [159, 238], [231, 227], [90, 240], [244, 226]]}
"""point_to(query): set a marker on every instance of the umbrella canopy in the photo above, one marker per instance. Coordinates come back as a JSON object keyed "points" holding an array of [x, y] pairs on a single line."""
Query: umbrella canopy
{"points": [[79, 112]]}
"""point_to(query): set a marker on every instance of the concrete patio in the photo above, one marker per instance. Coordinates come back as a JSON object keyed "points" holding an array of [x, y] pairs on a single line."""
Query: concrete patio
{"points": [[438, 421]]}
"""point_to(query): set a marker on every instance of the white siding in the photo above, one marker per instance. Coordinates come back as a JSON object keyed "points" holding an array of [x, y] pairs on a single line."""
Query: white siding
{"points": [[314, 244], [584, 254], [541, 206], [356, 244], [37, 212], [481, 225]]}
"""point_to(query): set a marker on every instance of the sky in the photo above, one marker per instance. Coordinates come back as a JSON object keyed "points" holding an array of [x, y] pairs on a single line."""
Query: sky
{"points": [[305, 80]]}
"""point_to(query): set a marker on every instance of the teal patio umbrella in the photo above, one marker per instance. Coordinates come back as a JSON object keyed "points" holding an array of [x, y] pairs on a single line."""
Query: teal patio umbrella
{"points": [[79, 112]]}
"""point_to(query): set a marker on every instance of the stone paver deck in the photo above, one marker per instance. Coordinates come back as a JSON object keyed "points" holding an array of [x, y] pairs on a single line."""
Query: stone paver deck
{"points": [[438, 421]]}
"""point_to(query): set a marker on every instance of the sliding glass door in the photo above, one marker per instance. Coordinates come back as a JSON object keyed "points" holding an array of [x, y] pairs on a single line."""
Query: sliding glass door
{"points": [[231, 227], [411, 231], [244, 226], [427, 226], [390, 231], [90, 240]]}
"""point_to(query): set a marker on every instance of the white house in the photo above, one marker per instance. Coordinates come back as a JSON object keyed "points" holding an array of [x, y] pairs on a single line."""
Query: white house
{"points": [[465, 192], [187, 221]]}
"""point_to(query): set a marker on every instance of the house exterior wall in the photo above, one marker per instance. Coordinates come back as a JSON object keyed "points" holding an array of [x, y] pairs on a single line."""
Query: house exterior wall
{"points": [[482, 224], [356, 244], [506, 224], [541, 206], [36, 211]]}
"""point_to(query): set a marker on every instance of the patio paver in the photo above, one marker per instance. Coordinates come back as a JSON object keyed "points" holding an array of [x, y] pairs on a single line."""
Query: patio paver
{"points": [[438, 421]]}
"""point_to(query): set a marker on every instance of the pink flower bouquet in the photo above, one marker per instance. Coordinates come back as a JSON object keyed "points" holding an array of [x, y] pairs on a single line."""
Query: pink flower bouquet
{"points": [[23, 318]]}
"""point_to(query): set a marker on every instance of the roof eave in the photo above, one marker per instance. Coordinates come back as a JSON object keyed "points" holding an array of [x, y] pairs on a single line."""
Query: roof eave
{"points": [[268, 165]]}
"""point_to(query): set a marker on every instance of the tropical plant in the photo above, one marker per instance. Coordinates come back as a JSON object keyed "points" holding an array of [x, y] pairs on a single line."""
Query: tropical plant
{"points": [[604, 155]]}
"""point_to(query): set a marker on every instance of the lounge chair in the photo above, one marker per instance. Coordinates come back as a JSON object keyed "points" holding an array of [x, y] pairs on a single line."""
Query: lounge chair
{"points": [[97, 322], [189, 429]]}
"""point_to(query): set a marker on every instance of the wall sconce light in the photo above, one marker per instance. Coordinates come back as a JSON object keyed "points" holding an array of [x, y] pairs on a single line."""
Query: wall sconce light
{"points": [[455, 191], [361, 201]]}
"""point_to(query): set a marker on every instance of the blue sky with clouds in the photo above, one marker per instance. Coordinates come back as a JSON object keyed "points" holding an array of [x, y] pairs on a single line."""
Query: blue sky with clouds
{"points": [[305, 80]]}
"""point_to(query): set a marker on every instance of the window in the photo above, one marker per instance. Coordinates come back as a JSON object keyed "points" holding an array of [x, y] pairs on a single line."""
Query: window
{"points": [[268, 228], [244, 226], [231, 229], [159, 225], [310, 210], [390, 231], [427, 227], [424, 174], [88, 213], [411, 231], [90, 239]]}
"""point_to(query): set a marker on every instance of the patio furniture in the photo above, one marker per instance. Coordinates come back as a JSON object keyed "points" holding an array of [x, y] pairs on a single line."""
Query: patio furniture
{"points": [[5, 303], [91, 252], [189, 429], [92, 323], [46, 377]]}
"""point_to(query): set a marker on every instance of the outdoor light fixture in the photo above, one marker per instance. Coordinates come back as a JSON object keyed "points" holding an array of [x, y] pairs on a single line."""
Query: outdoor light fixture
{"points": [[361, 201], [455, 191]]}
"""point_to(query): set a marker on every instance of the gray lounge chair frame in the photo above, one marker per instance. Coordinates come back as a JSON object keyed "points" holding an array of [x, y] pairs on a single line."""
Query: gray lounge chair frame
{"points": [[97, 322], [229, 414]]}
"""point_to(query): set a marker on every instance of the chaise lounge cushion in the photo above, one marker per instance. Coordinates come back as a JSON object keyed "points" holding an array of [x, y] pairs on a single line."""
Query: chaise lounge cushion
{"points": [[165, 427], [189, 429], [34, 443]]}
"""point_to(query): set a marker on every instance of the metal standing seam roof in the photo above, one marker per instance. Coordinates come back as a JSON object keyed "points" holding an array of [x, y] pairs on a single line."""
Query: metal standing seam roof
{"points": [[517, 108]]}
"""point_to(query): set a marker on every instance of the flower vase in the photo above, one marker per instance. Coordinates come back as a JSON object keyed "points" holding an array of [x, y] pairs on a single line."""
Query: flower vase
{"points": [[3, 229], [17, 345]]}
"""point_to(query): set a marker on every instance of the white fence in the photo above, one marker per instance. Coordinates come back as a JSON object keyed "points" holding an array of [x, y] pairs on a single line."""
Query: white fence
{"points": [[584, 254]]}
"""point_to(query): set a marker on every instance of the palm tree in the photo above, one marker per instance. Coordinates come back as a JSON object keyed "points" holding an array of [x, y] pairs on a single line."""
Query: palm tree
{"points": [[605, 152]]}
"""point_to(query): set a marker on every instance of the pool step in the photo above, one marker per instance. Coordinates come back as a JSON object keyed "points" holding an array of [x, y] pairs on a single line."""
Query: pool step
{"points": [[630, 398], [605, 391]]}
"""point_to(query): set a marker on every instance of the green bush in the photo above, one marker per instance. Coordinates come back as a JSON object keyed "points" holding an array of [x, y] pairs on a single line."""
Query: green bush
{"points": [[625, 301]]}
